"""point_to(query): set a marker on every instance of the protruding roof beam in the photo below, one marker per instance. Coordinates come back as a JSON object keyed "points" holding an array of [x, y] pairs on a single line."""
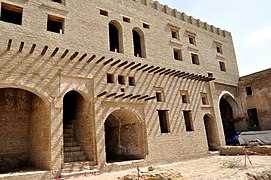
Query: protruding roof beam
{"points": [[102, 94], [91, 58]]}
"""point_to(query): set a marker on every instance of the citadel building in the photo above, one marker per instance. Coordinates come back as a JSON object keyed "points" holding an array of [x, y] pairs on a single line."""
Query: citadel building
{"points": [[88, 84]]}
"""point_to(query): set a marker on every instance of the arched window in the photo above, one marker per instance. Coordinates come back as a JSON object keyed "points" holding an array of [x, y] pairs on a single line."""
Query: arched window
{"points": [[139, 43], [115, 37]]}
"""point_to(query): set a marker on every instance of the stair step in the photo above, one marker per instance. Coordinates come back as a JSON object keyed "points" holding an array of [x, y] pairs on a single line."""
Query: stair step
{"points": [[68, 126], [72, 148], [70, 144], [69, 139], [68, 159], [69, 174], [67, 131], [68, 135]]}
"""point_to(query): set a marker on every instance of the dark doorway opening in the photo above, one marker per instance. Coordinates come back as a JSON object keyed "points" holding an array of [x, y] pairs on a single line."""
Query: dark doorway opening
{"points": [[227, 119], [211, 133], [124, 137]]}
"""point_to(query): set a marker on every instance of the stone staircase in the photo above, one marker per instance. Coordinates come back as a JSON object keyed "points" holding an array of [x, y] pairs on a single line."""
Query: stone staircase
{"points": [[75, 160], [72, 149]]}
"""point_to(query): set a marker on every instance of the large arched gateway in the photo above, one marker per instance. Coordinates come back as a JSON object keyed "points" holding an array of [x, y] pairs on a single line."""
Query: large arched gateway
{"points": [[229, 111], [124, 136], [25, 131]]}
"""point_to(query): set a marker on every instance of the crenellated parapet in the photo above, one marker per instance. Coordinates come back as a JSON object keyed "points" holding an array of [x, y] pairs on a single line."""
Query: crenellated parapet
{"points": [[182, 16]]}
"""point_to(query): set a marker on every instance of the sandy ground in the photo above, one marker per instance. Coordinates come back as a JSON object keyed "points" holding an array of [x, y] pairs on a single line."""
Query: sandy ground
{"points": [[210, 167]]}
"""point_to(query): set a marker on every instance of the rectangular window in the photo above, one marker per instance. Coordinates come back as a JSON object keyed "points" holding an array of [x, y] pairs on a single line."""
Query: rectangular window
{"points": [[110, 78], [163, 120], [188, 120], [131, 81], [11, 14], [175, 34], [219, 48], [210, 74], [159, 96], [185, 97], [121, 79], [103, 12], [126, 19], [195, 59], [177, 54], [58, 1], [204, 99], [253, 117], [55, 24], [222, 66], [192, 39], [249, 91]]}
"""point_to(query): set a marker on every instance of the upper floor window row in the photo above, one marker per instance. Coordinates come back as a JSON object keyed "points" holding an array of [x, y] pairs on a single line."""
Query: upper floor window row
{"points": [[13, 14], [116, 39]]}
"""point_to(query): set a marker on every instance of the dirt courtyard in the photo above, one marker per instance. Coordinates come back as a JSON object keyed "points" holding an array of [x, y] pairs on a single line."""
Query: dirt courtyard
{"points": [[209, 167]]}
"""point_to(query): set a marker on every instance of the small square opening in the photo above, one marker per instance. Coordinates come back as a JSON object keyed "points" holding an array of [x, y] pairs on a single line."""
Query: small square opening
{"points": [[222, 66], [146, 26], [210, 75], [184, 96], [131, 81], [159, 96], [126, 19], [174, 34], [121, 79], [11, 14], [110, 78], [103, 12], [195, 59], [192, 39], [204, 99], [55, 24]]}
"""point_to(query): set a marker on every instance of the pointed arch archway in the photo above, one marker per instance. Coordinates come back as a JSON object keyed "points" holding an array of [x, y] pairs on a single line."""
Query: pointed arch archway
{"points": [[229, 110], [139, 43], [124, 136], [211, 132], [25, 131], [115, 37]]}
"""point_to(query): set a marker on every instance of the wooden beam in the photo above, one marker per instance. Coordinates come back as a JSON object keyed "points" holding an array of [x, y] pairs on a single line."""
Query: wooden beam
{"points": [[142, 67], [127, 96], [120, 95], [154, 69], [116, 62], [45, 48], [108, 61], [135, 66], [91, 58], [148, 68], [143, 97], [136, 96], [64, 54], [32, 48], [150, 98], [110, 95], [21, 47], [100, 60], [102, 94], [159, 70], [167, 70], [132, 63], [122, 64], [82, 57], [54, 52], [74, 55]]}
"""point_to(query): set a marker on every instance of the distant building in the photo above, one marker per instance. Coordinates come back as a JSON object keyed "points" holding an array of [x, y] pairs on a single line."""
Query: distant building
{"points": [[85, 84]]}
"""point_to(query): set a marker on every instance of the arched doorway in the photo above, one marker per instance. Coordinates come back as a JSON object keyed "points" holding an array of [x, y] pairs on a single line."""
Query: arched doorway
{"points": [[229, 111], [124, 137], [115, 37], [78, 143], [25, 131], [139, 43], [211, 132]]}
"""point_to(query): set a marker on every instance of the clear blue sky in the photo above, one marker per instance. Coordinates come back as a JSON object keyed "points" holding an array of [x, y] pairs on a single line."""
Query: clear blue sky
{"points": [[249, 21]]}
